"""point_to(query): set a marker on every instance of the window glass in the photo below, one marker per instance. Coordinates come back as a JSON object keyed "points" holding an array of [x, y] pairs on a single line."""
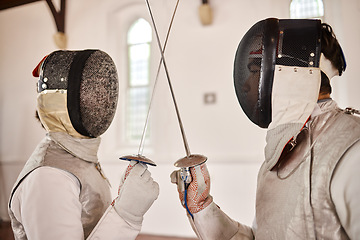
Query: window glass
{"points": [[138, 39], [306, 9], [139, 32]]}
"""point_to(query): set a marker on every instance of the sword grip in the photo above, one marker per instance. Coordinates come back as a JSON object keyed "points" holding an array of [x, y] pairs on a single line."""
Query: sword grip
{"points": [[185, 175]]}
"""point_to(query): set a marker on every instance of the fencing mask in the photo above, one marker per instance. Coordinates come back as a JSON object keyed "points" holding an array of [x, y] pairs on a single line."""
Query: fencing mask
{"points": [[277, 76], [267, 44], [78, 92]]}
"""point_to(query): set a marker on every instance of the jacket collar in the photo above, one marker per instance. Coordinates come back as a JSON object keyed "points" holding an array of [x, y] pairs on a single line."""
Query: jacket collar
{"points": [[85, 149]]}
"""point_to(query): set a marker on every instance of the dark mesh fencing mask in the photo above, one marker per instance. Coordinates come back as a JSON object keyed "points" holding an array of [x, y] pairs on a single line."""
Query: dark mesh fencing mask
{"points": [[271, 42], [91, 81]]}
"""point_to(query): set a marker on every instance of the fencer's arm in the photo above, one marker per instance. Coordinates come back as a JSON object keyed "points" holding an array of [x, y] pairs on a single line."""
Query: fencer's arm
{"points": [[123, 219], [50, 198], [345, 191], [212, 223], [113, 227], [47, 205], [208, 221]]}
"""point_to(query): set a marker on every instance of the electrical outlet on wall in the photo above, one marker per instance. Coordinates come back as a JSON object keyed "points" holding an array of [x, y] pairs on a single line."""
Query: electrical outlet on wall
{"points": [[210, 98]]}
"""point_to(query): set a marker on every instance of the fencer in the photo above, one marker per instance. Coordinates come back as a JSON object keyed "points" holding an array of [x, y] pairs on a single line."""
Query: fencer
{"points": [[308, 186], [62, 193]]}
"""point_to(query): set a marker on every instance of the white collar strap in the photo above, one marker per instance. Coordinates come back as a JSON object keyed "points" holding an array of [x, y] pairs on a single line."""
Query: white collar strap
{"points": [[327, 67]]}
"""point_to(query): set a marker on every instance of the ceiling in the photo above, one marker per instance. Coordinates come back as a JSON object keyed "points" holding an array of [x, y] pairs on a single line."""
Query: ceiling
{"points": [[59, 15], [6, 4]]}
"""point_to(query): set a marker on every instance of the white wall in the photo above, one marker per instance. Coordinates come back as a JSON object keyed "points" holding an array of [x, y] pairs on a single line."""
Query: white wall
{"points": [[200, 60]]}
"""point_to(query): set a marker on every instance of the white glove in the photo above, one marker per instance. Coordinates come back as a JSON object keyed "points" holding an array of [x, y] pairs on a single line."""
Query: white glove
{"points": [[137, 192]]}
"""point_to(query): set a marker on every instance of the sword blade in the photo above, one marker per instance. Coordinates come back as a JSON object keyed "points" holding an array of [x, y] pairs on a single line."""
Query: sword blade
{"points": [[142, 142], [169, 82]]}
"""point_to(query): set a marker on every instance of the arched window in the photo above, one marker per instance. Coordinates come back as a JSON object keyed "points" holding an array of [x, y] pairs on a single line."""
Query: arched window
{"points": [[138, 44], [306, 9]]}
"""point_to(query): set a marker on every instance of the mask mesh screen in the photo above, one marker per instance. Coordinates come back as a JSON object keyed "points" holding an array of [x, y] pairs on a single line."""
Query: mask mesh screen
{"points": [[98, 93]]}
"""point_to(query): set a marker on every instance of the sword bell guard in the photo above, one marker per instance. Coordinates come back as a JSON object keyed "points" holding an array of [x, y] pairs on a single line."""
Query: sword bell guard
{"points": [[190, 161], [138, 158]]}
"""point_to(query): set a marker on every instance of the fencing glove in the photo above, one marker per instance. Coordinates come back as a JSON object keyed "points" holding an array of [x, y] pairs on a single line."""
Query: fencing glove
{"points": [[206, 218], [137, 192], [198, 191]]}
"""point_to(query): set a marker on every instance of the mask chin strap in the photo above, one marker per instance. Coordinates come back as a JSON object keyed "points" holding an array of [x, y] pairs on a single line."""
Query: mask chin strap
{"points": [[327, 67]]}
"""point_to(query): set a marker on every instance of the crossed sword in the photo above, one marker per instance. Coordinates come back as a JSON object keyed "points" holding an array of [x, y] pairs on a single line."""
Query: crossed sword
{"points": [[190, 160]]}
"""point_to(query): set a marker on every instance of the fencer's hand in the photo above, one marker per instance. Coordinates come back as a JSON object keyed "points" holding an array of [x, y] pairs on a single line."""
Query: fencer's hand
{"points": [[137, 192], [198, 191]]}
